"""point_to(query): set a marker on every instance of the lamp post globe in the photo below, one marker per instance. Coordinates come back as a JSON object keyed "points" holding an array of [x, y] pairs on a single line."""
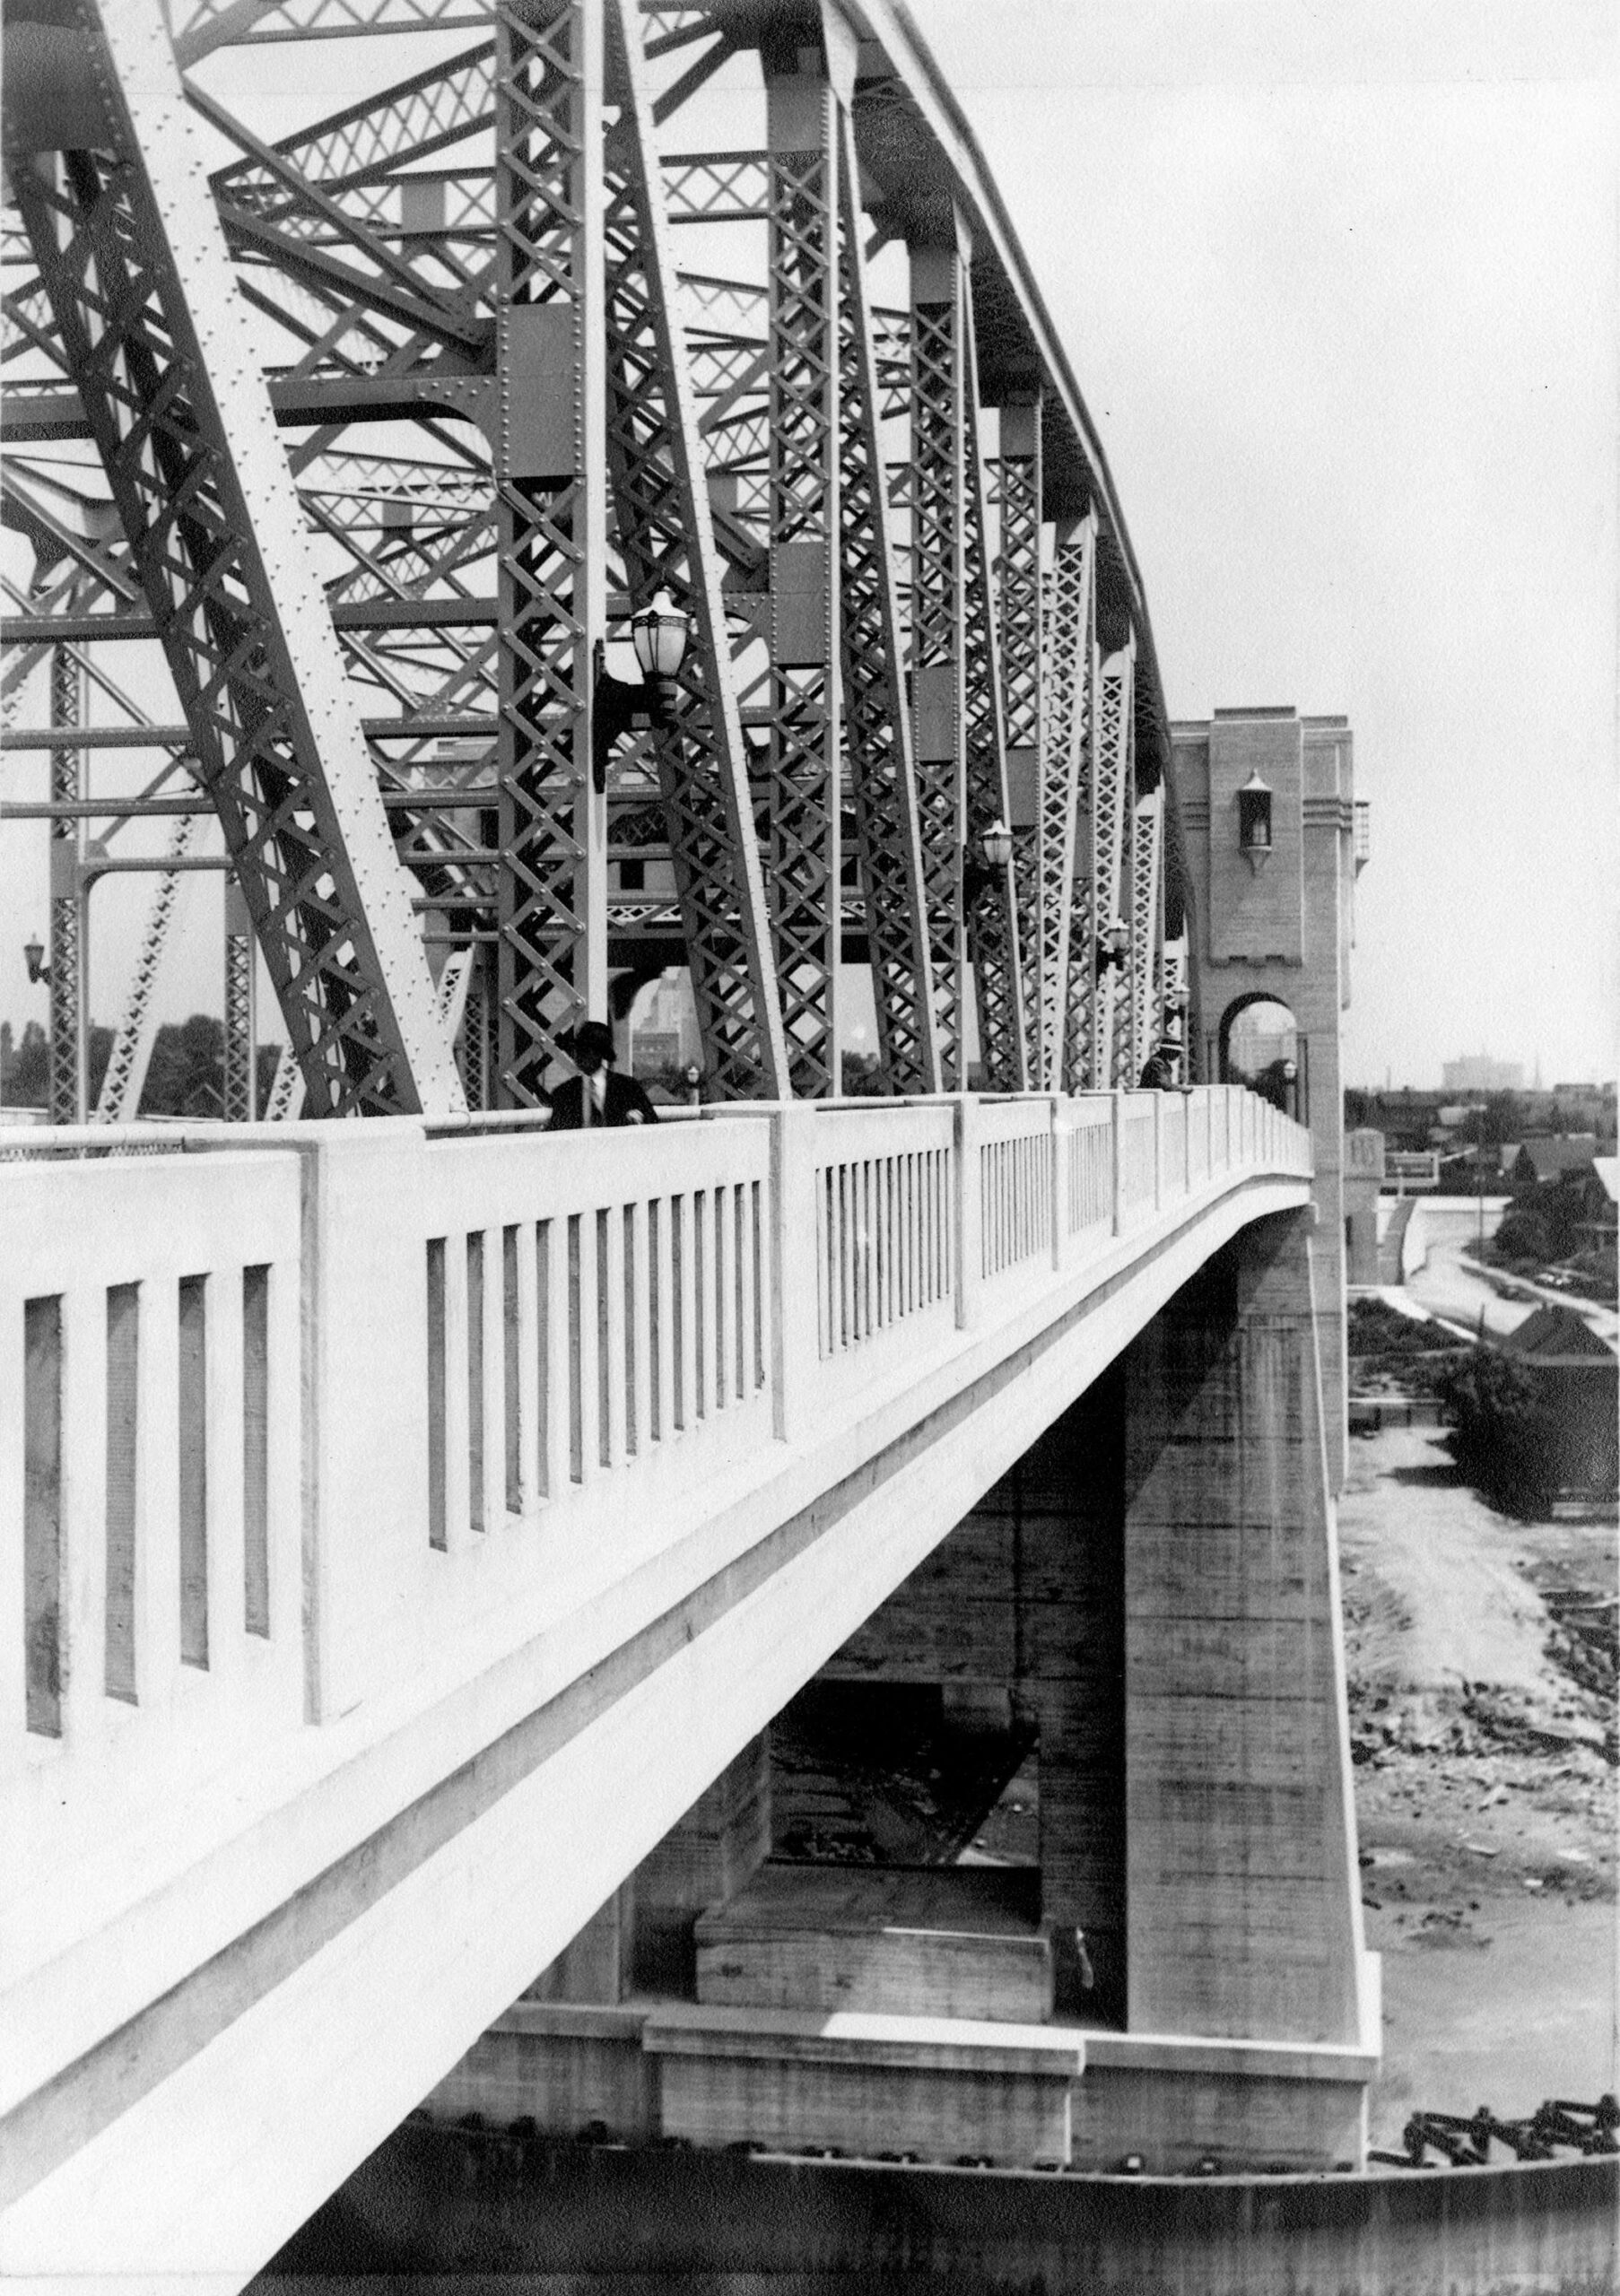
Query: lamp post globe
{"points": [[659, 633]]}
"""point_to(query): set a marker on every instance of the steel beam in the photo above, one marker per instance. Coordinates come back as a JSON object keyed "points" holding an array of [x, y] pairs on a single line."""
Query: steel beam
{"points": [[993, 915], [1019, 602], [878, 727], [142, 290], [241, 1036], [1063, 792], [798, 777], [1111, 813], [939, 518], [665, 533], [69, 944], [552, 499]]}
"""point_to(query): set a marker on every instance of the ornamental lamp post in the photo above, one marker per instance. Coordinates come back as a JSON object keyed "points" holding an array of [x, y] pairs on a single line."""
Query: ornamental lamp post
{"points": [[659, 634]]}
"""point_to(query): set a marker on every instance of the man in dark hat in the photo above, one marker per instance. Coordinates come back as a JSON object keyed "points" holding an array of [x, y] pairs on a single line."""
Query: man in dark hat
{"points": [[1159, 1071], [598, 1094]]}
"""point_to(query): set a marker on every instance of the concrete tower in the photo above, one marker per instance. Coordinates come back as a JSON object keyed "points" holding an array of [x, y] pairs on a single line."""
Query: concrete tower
{"points": [[1269, 817]]}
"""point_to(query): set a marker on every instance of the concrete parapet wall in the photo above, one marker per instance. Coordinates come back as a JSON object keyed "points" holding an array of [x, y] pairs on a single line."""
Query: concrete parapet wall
{"points": [[1448, 1220]]}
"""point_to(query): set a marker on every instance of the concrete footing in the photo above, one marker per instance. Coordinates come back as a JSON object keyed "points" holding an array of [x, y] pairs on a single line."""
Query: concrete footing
{"points": [[936, 2088]]}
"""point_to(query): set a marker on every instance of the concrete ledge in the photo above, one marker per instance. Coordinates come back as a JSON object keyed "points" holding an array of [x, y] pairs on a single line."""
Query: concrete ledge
{"points": [[596, 2021], [1232, 2059], [946, 1942], [847, 2036], [943, 2089]]}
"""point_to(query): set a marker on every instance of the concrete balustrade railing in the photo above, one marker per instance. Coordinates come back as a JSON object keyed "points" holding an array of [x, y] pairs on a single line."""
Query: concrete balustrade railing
{"points": [[296, 1419]]}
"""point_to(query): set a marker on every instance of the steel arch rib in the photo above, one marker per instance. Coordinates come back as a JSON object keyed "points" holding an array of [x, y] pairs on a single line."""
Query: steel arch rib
{"points": [[140, 285]]}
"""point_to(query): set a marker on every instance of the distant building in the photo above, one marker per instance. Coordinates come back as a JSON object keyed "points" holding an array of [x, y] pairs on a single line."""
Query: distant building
{"points": [[1476, 1071], [1580, 1379], [1545, 1160]]}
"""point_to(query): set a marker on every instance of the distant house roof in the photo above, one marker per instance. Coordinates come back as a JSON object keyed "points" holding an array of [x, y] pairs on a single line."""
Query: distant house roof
{"points": [[1554, 1335], [1550, 1157]]}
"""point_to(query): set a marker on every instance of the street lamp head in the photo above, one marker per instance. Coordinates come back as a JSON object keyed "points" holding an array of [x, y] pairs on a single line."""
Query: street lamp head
{"points": [[33, 957], [659, 633], [997, 844]]}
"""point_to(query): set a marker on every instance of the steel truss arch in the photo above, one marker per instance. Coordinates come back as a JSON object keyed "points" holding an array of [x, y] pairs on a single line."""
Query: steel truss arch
{"points": [[386, 643]]}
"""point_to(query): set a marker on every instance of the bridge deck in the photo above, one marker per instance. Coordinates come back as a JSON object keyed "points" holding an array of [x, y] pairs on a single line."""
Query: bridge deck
{"points": [[404, 1523]]}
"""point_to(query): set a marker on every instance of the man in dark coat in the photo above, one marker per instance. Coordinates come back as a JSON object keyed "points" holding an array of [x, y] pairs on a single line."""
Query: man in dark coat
{"points": [[598, 1095]]}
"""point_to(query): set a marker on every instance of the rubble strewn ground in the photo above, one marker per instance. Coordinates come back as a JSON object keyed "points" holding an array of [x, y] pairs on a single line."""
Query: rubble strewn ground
{"points": [[1480, 1656]]}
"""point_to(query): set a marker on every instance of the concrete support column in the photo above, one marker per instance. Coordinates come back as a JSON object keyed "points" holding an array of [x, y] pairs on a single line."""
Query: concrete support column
{"points": [[1244, 1914], [700, 1862]]}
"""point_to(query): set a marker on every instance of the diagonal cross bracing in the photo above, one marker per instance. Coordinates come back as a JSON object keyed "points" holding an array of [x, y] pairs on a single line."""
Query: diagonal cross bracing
{"points": [[797, 780], [993, 920], [550, 506], [938, 508], [142, 292], [1027, 702], [1064, 789], [877, 726], [665, 534]]}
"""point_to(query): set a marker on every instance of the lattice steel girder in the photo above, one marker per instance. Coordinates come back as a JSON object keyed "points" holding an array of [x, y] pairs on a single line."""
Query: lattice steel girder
{"points": [[877, 726], [1064, 787], [69, 936], [797, 780], [938, 601], [1147, 924], [1113, 775], [551, 491], [993, 917], [242, 1041], [665, 534], [124, 1080], [1019, 607], [142, 292]]}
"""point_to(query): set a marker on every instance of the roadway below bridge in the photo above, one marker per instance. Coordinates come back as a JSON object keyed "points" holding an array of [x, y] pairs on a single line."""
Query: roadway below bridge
{"points": [[1452, 1285]]}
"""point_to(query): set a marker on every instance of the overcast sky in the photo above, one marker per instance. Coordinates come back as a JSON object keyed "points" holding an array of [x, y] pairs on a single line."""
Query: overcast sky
{"points": [[1338, 281]]}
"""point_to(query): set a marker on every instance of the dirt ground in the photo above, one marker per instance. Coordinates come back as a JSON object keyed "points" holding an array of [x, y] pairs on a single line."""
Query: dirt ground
{"points": [[1483, 1728]]}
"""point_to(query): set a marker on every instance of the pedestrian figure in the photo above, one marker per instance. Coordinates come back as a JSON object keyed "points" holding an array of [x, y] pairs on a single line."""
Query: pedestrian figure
{"points": [[598, 1095], [1159, 1070]]}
